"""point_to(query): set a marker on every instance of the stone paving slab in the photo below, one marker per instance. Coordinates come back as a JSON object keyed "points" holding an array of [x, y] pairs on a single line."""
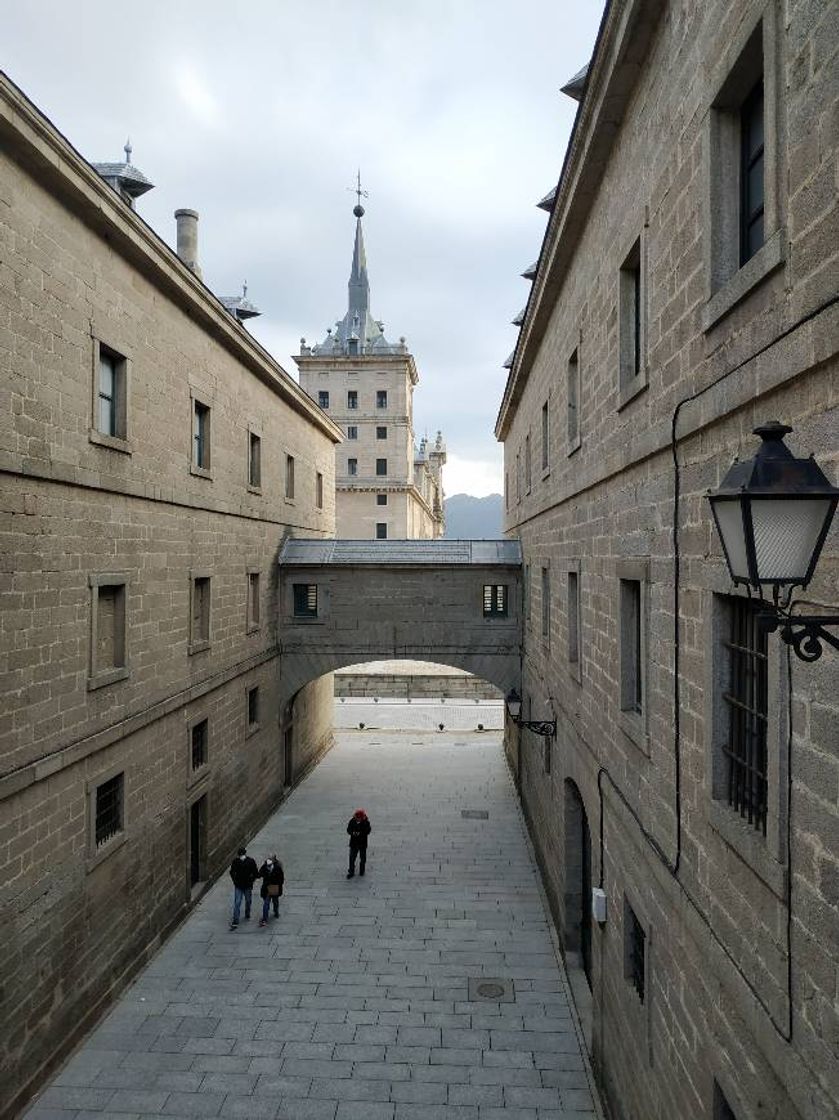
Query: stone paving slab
{"points": [[355, 1003]]}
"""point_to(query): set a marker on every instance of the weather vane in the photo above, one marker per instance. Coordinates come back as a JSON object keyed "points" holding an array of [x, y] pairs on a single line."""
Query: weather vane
{"points": [[360, 193]]}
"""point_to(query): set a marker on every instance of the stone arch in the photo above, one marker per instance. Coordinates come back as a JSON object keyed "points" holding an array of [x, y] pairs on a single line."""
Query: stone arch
{"points": [[577, 922]]}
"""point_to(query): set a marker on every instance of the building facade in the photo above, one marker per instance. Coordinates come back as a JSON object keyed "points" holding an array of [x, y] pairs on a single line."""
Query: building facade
{"points": [[386, 487], [153, 459], [686, 291]]}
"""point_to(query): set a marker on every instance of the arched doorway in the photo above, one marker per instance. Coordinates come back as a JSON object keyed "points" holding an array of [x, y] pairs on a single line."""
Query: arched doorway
{"points": [[577, 880]]}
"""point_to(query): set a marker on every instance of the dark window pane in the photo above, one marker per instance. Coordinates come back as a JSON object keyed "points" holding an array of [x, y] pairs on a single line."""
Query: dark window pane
{"points": [[108, 809]]}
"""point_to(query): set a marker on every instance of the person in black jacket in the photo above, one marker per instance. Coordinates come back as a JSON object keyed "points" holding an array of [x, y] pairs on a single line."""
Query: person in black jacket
{"points": [[272, 875], [243, 873], [359, 830]]}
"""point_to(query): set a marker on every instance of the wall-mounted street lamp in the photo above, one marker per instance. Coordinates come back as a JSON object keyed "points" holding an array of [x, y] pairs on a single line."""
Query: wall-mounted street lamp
{"points": [[773, 513], [545, 727]]}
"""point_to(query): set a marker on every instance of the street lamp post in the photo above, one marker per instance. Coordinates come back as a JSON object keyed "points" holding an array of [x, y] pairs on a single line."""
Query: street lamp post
{"points": [[544, 727], [773, 513]]}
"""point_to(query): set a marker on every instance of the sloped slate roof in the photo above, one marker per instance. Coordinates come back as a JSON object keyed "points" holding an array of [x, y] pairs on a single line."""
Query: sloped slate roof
{"points": [[437, 553]]}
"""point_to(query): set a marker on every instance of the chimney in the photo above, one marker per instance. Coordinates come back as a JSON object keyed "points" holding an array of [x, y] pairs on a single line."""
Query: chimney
{"points": [[188, 239]]}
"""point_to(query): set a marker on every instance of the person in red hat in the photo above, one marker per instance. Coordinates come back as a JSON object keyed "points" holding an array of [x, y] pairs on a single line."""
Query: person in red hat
{"points": [[358, 829]]}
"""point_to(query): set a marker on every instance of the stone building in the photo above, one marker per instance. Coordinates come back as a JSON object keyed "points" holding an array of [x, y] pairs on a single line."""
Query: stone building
{"points": [[686, 291], [386, 487], [153, 459]]}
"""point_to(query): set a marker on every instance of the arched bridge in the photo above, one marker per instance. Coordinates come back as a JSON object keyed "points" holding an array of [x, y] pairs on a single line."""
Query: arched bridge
{"points": [[452, 602]]}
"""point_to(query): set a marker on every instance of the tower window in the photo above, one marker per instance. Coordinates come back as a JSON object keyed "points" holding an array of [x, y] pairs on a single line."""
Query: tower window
{"points": [[352, 398], [381, 398], [323, 398]]}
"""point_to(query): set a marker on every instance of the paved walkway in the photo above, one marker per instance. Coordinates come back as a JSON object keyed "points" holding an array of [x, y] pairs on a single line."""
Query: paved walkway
{"points": [[361, 1001]]}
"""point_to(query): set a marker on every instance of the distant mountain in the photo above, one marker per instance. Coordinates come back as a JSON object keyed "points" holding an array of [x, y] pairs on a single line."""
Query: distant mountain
{"points": [[476, 519]]}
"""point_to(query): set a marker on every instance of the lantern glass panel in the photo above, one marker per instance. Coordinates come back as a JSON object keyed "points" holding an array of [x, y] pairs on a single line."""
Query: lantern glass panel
{"points": [[730, 523], [786, 532]]}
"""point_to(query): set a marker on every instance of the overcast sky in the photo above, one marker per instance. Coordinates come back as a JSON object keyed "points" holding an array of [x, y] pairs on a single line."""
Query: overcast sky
{"points": [[258, 114]]}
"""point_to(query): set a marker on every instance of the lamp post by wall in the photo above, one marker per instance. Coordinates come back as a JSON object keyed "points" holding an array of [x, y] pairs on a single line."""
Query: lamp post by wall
{"points": [[773, 513], [544, 727]]}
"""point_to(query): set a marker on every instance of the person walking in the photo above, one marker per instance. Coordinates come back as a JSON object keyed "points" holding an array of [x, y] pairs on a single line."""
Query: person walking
{"points": [[243, 873], [359, 829], [272, 875]]}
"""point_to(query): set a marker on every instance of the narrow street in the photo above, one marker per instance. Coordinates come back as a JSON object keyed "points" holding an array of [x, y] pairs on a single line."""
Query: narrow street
{"points": [[364, 998]]}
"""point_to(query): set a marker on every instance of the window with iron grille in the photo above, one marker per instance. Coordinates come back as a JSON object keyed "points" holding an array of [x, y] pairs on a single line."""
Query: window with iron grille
{"points": [[323, 398], [751, 174], [495, 600], [635, 942], [199, 740], [201, 436], [352, 398], [306, 600], [109, 809], [381, 530], [747, 700], [254, 460], [381, 398]]}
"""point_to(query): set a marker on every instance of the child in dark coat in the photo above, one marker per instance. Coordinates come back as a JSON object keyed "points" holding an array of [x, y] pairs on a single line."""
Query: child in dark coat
{"points": [[272, 876], [358, 829]]}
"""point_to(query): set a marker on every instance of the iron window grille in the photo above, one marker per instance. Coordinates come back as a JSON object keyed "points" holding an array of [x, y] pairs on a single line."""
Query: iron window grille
{"points": [[199, 744], [306, 600], [323, 398], [636, 941], [752, 187], [109, 803], [495, 600], [747, 700]]}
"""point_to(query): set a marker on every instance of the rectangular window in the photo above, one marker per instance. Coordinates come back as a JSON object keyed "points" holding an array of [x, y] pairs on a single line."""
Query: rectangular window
{"points": [[352, 431], [319, 490], [199, 740], [507, 489], [305, 600], [109, 809], [381, 466], [546, 604], [381, 398], [200, 629], [751, 174], [573, 401], [323, 398], [528, 475], [545, 435], [110, 627], [722, 1109], [634, 951], [111, 411], [495, 600], [201, 436], [526, 594], [573, 617], [631, 323], [352, 398], [352, 466], [518, 476], [746, 698], [381, 432], [381, 531], [254, 460], [631, 645], [253, 708], [381, 499], [289, 477], [253, 600]]}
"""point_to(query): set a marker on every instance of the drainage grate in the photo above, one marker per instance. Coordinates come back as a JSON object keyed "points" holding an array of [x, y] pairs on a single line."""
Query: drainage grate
{"points": [[491, 989], [475, 814]]}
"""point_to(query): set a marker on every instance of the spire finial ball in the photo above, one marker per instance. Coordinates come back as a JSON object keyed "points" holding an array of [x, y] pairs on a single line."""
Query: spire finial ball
{"points": [[358, 211]]}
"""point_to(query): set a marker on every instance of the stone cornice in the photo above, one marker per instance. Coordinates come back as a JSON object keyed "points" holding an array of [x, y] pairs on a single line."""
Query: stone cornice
{"points": [[32, 141], [362, 363], [622, 44]]}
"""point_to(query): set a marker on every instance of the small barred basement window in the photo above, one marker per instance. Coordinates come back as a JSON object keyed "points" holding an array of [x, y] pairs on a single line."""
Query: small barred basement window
{"points": [[109, 805]]}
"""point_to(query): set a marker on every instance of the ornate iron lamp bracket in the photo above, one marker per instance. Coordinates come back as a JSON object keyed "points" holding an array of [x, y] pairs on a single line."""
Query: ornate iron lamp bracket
{"points": [[805, 633], [544, 727]]}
